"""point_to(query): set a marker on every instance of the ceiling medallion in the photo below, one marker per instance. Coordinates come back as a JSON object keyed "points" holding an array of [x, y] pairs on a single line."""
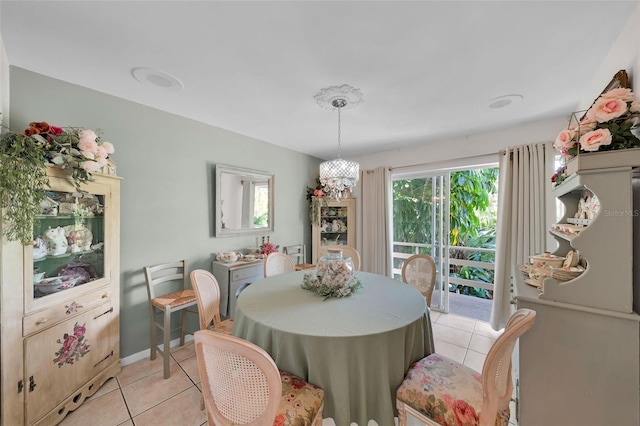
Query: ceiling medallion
{"points": [[339, 177], [351, 97]]}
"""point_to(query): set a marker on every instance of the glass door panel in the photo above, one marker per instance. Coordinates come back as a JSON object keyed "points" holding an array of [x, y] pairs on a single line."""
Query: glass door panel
{"points": [[68, 253]]}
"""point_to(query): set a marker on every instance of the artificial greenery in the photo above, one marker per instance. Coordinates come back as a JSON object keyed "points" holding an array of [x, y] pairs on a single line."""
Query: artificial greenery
{"points": [[312, 283], [23, 176], [23, 169], [317, 199]]}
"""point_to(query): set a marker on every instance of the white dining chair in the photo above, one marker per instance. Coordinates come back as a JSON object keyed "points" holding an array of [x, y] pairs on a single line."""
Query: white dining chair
{"points": [[278, 263]]}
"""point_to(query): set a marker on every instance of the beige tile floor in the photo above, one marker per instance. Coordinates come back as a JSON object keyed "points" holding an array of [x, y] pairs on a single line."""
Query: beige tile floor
{"points": [[141, 396]]}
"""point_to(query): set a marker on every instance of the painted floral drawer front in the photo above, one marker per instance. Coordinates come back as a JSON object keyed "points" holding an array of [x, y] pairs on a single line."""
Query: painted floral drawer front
{"points": [[61, 357]]}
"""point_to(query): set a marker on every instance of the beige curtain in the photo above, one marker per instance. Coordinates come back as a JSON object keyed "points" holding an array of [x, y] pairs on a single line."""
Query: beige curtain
{"points": [[374, 240], [522, 210]]}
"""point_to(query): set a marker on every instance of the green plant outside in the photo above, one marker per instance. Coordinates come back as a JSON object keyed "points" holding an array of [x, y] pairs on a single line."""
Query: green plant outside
{"points": [[472, 222]]}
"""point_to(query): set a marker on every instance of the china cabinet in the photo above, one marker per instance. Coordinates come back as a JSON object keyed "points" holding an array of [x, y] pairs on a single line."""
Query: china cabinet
{"points": [[337, 227], [59, 303], [232, 277], [580, 363]]}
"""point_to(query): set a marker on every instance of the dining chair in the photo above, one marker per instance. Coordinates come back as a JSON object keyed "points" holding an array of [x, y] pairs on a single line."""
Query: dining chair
{"points": [[242, 385], [297, 252], [351, 252], [207, 292], [439, 391], [419, 271], [278, 263], [161, 279]]}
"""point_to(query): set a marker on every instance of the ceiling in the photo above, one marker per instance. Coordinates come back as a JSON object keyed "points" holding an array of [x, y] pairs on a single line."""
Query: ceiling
{"points": [[428, 69]]}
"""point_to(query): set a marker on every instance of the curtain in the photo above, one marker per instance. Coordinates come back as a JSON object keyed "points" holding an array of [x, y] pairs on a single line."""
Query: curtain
{"points": [[375, 218], [522, 211]]}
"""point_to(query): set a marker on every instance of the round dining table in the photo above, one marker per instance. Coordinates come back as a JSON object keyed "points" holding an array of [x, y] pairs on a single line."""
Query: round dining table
{"points": [[356, 348]]}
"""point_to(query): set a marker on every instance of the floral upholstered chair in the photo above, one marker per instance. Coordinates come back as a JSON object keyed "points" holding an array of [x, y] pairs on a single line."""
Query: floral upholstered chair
{"points": [[440, 391], [242, 385]]}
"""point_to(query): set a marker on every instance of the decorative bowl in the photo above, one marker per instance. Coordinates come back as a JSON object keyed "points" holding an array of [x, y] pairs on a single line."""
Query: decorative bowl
{"points": [[567, 273], [56, 284], [546, 259]]}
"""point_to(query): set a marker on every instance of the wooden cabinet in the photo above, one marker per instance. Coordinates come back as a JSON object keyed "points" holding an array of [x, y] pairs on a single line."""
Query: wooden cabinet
{"points": [[59, 304], [337, 227], [232, 278], [580, 363]]}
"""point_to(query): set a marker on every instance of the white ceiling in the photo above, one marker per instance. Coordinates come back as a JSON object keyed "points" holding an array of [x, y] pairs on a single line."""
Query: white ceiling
{"points": [[427, 68]]}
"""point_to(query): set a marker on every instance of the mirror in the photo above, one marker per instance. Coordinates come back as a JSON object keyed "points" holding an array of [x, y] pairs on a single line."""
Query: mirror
{"points": [[244, 201]]}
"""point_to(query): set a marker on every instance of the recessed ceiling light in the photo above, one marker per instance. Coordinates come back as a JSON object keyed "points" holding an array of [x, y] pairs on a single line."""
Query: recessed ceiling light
{"points": [[158, 79], [503, 101]]}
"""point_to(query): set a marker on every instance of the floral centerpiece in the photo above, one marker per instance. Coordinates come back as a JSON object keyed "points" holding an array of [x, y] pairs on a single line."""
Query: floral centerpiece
{"points": [[608, 125], [24, 157], [267, 248], [333, 277]]}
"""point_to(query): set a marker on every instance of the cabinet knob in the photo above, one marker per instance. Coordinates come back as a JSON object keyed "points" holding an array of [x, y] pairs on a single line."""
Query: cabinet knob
{"points": [[105, 296], [41, 321]]}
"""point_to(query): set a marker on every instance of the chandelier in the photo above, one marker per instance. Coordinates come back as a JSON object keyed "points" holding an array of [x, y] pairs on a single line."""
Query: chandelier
{"points": [[339, 177]]}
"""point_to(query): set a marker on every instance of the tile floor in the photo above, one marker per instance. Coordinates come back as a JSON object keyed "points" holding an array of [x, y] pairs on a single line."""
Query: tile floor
{"points": [[141, 396]]}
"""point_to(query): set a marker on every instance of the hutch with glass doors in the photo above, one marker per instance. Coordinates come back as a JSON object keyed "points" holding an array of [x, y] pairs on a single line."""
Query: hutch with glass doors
{"points": [[580, 363], [337, 226], [59, 304]]}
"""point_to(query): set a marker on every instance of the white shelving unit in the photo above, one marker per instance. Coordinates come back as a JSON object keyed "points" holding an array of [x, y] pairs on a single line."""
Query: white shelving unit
{"points": [[580, 363]]}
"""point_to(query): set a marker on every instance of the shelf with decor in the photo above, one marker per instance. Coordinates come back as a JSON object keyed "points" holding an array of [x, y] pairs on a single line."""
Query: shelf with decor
{"points": [[50, 293], [335, 227], [59, 272], [587, 328], [609, 228]]}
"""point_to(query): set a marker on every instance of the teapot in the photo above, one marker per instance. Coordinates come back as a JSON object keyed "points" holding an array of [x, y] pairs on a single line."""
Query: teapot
{"points": [[227, 257]]}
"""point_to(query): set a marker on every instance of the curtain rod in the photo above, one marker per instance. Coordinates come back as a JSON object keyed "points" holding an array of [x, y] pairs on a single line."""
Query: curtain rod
{"points": [[443, 161]]}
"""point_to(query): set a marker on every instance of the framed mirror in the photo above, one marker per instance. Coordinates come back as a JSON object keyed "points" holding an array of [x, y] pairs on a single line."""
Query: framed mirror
{"points": [[244, 201]]}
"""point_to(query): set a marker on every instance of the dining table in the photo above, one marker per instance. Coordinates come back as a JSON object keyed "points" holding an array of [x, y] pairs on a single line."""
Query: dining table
{"points": [[356, 348]]}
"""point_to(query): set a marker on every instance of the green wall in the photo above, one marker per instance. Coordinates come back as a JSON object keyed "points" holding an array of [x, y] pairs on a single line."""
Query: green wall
{"points": [[166, 162]]}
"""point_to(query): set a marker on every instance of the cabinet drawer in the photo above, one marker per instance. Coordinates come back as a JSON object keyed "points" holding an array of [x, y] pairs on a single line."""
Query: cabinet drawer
{"points": [[72, 307], [249, 271]]}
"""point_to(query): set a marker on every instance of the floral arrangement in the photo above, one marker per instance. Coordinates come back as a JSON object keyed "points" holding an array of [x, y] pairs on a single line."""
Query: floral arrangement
{"points": [[80, 151], [24, 157], [559, 176], [73, 347], [333, 277], [316, 199], [608, 125], [268, 248], [328, 288]]}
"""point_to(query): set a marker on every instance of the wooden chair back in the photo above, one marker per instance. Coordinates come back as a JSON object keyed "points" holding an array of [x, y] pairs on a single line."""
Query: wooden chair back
{"points": [[241, 383], [278, 263], [419, 271]]}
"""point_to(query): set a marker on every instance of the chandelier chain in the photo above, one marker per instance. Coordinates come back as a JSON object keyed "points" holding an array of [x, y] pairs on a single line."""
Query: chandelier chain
{"points": [[339, 127]]}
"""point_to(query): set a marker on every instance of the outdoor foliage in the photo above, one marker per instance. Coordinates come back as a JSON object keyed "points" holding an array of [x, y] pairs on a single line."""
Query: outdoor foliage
{"points": [[471, 221]]}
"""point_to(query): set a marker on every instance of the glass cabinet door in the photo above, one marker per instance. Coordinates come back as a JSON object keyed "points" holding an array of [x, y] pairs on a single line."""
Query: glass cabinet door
{"points": [[68, 252], [334, 225]]}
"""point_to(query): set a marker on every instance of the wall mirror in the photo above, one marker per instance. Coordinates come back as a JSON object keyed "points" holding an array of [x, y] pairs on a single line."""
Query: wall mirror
{"points": [[244, 201]]}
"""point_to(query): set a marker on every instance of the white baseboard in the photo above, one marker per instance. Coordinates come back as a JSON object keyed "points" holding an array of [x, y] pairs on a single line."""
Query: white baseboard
{"points": [[147, 352]]}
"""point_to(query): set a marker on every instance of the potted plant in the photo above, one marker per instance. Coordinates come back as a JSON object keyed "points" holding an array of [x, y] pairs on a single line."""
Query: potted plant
{"points": [[24, 158]]}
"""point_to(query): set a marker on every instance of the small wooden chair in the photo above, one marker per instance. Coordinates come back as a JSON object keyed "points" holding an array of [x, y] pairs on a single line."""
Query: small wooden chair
{"points": [[419, 271], [207, 292], [297, 252], [242, 385], [437, 390], [165, 304], [278, 263]]}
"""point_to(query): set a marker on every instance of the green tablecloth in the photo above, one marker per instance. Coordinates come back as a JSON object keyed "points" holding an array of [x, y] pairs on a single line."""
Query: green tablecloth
{"points": [[356, 348]]}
